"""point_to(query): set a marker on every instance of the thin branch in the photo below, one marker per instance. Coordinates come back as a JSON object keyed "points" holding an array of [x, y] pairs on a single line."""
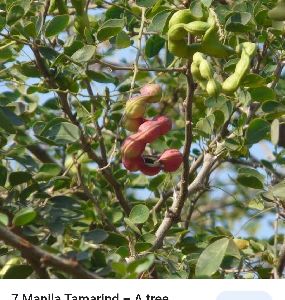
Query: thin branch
{"points": [[281, 261], [131, 68], [178, 203], [175, 210], [41, 257]]}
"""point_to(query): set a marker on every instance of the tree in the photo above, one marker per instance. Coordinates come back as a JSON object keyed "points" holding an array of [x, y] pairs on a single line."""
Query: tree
{"points": [[70, 208]]}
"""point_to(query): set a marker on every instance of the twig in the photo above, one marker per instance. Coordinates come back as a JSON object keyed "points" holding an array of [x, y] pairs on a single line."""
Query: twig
{"points": [[41, 257], [136, 64], [281, 261], [131, 68]]}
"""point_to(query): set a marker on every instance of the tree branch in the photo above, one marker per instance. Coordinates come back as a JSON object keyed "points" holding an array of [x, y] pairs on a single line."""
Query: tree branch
{"points": [[41, 257]]}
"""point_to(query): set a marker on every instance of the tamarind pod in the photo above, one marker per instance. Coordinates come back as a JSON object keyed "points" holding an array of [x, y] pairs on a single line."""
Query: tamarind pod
{"points": [[133, 124], [171, 160], [149, 170], [133, 146], [211, 45], [213, 88], [181, 16], [133, 164], [278, 12], [180, 31], [135, 107], [153, 129], [152, 92], [246, 47], [231, 84], [206, 70], [198, 57], [181, 49], [195, 71]]}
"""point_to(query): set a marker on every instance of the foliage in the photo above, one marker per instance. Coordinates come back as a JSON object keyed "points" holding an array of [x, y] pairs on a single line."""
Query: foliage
{"points": [[67, 69]]}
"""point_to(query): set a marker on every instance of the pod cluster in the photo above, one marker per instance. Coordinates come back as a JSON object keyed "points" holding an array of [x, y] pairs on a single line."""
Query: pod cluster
{"points": [[146, 132]]}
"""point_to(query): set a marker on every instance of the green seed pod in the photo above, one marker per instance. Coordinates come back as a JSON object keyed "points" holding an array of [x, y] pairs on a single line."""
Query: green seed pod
{"points": [[213, 88], [247, 51], [135, 108], [182, 16], [206, 70], [231, 84], [278, 12], [195, 71]]}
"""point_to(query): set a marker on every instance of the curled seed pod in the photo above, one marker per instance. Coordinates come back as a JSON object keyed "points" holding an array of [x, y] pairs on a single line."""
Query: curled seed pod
{"points": [[213, 88], [133, 146], [149, 170], [206, 70], [171, 160], [181, 16], [133, 164], [247, 51], [133, 124], [135, 107], [152, 92], [153, 129]]}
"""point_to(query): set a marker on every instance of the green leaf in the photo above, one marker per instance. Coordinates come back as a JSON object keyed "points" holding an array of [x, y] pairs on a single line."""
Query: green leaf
{"points": [[257, 204], [253, 80], [142, 264], [56, 25], [160, 20], [2, 22], [15, 13], [47, 171], [211, 258], [4, 220], [250, 178], [62, 133], [84, 54], [153, 45], [238, 22], [233, 250], [146, 3], [18, 272], [139, 214], [156, 181], [275, 131], [110, 28], [96, 236], [8, 119], [19, 177], [132, 225], [206, 124], [257, 131], [123, 40], [207, 3], [24, 216], [3, 175], [262, 93], [101, 77]]}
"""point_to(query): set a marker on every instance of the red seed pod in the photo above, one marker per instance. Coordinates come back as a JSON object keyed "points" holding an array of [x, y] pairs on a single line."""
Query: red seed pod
{"points": [[153, 129], [133, 146], [150, 171], [133, 124], [152, 91], [133, 164], [171, 160]]}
